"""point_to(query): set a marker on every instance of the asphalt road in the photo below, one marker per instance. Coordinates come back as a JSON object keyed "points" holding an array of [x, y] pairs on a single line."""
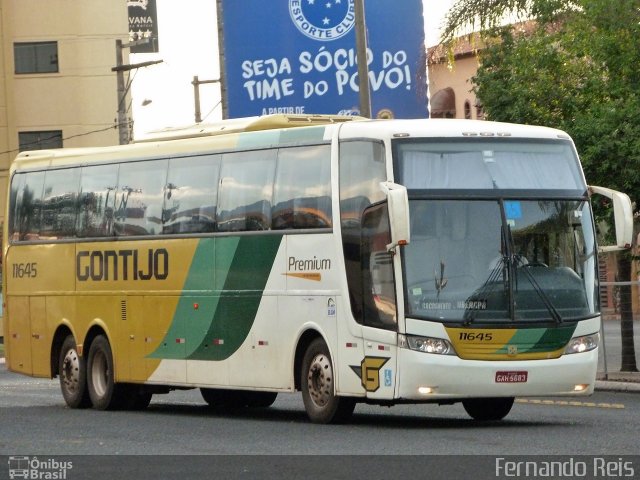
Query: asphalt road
{"points": [[36, 420], [178, 436]]}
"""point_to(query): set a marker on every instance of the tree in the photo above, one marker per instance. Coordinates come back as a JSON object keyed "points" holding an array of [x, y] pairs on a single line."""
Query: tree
{"points": [[575, 67]]}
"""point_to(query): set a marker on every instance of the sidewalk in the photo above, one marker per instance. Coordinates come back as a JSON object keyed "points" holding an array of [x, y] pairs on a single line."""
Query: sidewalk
{"points": [[619, 382]]}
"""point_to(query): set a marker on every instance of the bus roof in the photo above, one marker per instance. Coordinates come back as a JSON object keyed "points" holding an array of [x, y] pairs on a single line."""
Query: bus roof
{"points": [[447, 128], [248, 124], [240, 132], [274, 130]]}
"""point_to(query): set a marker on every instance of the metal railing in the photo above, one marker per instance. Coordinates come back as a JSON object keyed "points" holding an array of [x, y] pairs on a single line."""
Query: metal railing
{"points": [[620, 335]]}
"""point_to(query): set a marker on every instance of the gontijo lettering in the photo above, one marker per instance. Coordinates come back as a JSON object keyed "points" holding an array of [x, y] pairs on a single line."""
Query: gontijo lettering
{"points": [[98, 265]]}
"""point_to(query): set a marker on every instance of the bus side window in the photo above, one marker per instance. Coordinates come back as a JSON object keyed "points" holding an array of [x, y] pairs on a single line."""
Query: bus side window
{"points": [[28, 206], [190, 195], [246, 191], [97, 200], [362, 168], [15, 201], [60, 203], [378, 282], [139, 198], [302, 192]]}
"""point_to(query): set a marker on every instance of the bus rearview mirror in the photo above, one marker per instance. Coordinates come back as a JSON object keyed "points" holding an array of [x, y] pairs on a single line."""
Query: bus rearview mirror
{"points": [[623, 217], [398, 204]]}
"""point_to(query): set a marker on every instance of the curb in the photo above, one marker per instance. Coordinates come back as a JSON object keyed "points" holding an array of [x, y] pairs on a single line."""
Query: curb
{"points": [[613, 386]]}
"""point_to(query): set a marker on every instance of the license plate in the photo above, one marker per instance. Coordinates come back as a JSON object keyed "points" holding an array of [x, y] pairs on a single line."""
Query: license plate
{"points": [[512, 377]]}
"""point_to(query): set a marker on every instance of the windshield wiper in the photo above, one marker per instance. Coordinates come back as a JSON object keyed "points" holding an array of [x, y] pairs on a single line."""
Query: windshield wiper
{"points": [[543, 296], [486, 289]]}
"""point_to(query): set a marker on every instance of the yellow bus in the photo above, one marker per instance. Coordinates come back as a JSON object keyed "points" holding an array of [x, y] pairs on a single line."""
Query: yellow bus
{"points": [[378, 261]]}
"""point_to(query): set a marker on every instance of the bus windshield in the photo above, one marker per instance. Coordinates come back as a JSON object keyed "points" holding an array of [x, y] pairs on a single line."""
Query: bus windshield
{"points": [[477, 260], [492, 256], [485, 164]]}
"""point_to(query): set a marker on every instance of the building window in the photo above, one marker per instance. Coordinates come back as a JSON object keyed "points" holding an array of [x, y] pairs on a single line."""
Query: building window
{"points": [[467, 110], [479, 111], [40, 140], [36, 57], [443, 104]]}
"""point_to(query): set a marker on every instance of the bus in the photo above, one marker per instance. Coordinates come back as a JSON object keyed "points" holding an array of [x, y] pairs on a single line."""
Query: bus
{"points": [[352, 260]]}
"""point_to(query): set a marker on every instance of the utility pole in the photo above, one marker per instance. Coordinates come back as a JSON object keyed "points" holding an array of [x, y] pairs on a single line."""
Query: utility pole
{"points": [[123, 124], [196, 94], [361, 53]]}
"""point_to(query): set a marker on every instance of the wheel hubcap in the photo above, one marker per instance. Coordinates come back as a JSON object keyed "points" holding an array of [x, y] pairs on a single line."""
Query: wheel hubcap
{"points": [[320, 380], [99, 373], [71, 370]]}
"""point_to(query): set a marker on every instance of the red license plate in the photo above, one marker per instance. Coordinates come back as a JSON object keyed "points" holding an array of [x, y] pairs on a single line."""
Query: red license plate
{"points": [[512, 377]]}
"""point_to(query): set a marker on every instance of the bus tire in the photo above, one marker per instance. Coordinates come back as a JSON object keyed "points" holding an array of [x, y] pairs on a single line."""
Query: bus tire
{"points": [[72, 370], [104, 392], [485, 409], [318, 387]]}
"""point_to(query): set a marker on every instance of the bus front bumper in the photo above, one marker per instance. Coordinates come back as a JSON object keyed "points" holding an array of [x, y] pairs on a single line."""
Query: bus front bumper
{"points": [[431, 377]]}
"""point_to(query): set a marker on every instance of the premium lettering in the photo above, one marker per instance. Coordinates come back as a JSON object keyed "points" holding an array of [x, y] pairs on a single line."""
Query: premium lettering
{"points": [[305, 265], [98, 265]]}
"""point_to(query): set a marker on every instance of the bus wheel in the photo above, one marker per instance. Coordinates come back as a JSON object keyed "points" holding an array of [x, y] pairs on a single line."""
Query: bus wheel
{"points": [[317, 384], [72, 370], [104, 392], [488, 408]]}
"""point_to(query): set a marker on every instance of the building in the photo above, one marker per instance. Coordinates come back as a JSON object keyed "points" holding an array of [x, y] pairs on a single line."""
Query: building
{"points": [[450, 82], [56, 84]]}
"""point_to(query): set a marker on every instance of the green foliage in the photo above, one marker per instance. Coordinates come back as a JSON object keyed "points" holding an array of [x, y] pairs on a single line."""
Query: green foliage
{"points": [[577, 68], [471, 15]]}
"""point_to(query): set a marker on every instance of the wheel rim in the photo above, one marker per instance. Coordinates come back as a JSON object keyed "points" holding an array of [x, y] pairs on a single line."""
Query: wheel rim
{"points": [[71, 371], [99, 373], [320, 380]]}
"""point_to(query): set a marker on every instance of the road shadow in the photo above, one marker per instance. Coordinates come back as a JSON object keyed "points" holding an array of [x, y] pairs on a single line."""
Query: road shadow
{"points": [[383, 419]]}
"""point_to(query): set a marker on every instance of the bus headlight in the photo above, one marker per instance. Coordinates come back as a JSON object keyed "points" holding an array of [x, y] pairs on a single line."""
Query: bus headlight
{"points": [[585, 343], [439, 346]]}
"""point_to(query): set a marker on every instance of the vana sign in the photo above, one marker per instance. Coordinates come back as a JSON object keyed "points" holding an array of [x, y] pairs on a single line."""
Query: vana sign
{"points": [[299, 56]]}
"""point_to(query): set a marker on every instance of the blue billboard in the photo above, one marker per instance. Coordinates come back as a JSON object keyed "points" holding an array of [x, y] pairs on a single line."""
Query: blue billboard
{"points": [[299, 56]]}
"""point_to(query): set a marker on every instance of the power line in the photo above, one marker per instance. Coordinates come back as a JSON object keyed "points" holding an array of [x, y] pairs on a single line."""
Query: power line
{"points": [[211, 111], [17, 150]]}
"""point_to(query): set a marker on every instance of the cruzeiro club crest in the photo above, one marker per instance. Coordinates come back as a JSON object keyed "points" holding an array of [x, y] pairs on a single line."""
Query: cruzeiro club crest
{"points": [[323, 20]]}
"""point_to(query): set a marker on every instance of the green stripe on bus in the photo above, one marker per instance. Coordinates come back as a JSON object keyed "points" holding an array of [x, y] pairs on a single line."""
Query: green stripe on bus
{"points": [[538, 340], [273, 138], [237, 270], [301, 135], [266, 138], [555, 338]]}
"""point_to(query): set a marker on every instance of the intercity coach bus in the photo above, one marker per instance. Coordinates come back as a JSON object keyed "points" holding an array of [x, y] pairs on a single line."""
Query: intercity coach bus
{"points": [[377, 261]]}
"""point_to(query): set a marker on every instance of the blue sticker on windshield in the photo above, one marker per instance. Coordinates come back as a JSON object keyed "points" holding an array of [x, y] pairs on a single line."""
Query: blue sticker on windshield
{"points": [[513, 209]]}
